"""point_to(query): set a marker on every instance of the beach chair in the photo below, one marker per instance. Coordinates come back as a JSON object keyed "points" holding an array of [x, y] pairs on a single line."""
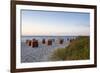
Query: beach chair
{"points": [[34, 43], [49, 42], [28, 42], [43, 41], [61, 41]]}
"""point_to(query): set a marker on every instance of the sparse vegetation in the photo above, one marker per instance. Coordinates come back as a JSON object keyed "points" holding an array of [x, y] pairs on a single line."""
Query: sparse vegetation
{"points": [[78, 49]]}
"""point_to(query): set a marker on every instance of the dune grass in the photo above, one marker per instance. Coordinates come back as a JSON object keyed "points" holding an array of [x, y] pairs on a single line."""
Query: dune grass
{"points": [[78, 49]]}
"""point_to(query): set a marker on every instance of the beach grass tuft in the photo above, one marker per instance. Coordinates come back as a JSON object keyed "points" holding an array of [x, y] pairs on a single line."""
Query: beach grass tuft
{"points": [[78, 49]]}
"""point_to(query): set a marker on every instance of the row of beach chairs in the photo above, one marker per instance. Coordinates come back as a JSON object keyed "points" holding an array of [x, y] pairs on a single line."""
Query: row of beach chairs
{"points": [[35, 43]]}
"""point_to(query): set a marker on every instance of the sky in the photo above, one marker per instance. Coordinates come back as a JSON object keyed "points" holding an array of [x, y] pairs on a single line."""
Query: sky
{"points": [[55, 23]]}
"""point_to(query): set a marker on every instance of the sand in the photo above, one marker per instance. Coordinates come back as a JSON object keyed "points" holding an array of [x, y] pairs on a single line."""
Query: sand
{"points": [[40, 54]]}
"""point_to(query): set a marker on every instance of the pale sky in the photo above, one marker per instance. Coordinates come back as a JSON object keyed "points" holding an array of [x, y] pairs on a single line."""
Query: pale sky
{"points": [[54, 23]]}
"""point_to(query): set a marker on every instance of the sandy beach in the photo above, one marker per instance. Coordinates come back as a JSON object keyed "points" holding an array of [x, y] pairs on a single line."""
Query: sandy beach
{"points": [[39, 54]]}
